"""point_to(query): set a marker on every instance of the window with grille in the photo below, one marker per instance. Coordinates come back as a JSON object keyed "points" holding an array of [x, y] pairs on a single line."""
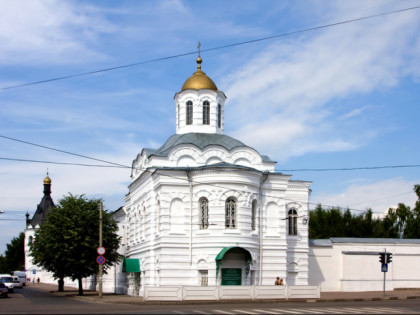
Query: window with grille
{"points": [[231, 213], [292, 222], [189, 113], [204, 278], [254, 215], [206, 113], [204, 213]]}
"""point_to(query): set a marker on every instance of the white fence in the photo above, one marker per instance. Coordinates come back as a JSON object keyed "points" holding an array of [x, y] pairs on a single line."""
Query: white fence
{"points": [[217, 293]]}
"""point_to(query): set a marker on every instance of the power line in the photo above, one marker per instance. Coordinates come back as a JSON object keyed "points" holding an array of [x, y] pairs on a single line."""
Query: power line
{"points": [[116, 165], [210, 49], [179, 178], [141, 169], [62, 151], [348, 168], [63, 163]]}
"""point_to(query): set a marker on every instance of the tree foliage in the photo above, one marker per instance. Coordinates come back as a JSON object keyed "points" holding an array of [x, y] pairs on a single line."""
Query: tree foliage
{"points": [[66, 242], [14, 258], [401, 222]]}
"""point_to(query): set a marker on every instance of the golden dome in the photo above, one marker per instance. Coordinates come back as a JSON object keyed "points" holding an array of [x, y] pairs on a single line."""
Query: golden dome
{"points": [[199, 80], [47, 180]]}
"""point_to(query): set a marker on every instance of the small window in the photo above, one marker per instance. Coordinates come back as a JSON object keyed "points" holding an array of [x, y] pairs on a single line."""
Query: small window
{"points": [[206, 113], [189, 113], [254, 215], [230, 221], [204, 278], [204, 213], [219, 115], [292, 222], [30, 240]]}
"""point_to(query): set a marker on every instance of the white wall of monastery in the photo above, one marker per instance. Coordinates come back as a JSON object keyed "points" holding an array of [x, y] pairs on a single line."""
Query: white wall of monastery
{"points": [[353, 264]]}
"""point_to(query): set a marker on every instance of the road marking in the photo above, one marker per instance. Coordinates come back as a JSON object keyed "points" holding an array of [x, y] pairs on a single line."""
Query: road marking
{"points": [[383, 310], [314, 310], [265, 312], [201, 312], [245, 312], [331, 310], [222, 312], [292, 311]]}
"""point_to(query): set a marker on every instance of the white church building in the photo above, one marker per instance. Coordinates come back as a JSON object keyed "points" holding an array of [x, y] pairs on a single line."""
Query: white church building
{"points": [[208, 217], [206, 209]]}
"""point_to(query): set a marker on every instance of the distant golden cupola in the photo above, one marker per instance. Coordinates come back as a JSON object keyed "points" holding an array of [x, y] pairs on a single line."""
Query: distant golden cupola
{"points": [[47, 180], [199, 80]]}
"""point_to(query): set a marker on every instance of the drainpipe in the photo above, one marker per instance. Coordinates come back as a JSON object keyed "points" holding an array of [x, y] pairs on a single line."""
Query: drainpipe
{"points": [[260, 196], [191, 211]]}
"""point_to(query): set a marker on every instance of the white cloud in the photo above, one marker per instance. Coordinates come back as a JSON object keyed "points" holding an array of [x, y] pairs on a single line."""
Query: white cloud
{"points": [[378, 196], [292, 82], [353, 113], [34, 32]]}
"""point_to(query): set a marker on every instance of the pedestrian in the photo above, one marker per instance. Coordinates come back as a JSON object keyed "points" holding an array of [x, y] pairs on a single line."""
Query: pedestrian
{"points": [[277, 282], [37, 280]]}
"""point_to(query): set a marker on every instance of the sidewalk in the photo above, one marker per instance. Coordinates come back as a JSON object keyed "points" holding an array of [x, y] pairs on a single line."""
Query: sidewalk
{"points": [[92, 296]]}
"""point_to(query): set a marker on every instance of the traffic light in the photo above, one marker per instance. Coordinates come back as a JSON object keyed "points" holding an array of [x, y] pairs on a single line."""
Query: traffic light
{"points": [[382, 258], [388, 258]]}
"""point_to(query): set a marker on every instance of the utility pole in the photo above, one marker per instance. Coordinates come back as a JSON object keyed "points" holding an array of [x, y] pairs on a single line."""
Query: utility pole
{"points": [[100, 245]]}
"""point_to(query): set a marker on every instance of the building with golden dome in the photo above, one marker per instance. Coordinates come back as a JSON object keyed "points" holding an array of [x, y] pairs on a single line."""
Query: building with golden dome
{"points": [[207, 210], [32, 224]]}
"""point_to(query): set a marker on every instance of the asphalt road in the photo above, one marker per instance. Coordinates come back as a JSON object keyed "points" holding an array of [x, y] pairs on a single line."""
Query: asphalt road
{"points": [[32, 301]]}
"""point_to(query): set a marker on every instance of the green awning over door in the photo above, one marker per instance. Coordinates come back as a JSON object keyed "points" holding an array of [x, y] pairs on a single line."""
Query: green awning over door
{"points": [[224, 251], [131, 265]]}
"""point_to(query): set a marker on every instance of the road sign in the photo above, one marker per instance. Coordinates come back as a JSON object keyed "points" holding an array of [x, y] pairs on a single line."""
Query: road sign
{"points": [[100, 250], [100, 260], [384, 268]]}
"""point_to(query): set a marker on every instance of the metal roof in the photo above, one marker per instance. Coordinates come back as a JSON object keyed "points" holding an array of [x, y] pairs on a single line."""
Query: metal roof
{"points": [[329, 242], [201, 141]]}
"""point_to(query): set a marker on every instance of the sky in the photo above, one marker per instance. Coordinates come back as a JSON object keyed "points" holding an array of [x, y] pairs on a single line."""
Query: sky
{"points": [[310, 97]]}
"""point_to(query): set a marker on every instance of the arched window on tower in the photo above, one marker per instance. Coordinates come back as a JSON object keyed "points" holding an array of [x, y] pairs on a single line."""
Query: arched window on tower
{"points": [[254, 215], [292, 222], [206, 113], [230, 216], [219, 115], [189, 118], [30, 240], [204, 213]]}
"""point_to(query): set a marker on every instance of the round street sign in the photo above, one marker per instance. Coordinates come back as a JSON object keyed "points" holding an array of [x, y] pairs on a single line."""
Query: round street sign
{"points": [[100, 250], [100, 260]]}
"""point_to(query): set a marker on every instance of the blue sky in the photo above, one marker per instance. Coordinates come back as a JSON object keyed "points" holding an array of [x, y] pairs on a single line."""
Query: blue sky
{"points": [[337, 97]]}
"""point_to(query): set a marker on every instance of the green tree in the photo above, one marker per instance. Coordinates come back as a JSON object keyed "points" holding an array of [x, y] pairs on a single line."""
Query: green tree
{"points": [[334, 223], [412, 226], [3, 267], [66, 242], [14, 258], [404, 222]]}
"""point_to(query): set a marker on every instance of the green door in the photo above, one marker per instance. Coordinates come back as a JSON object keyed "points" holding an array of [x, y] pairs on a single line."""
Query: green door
{"points": [[231, 276]]}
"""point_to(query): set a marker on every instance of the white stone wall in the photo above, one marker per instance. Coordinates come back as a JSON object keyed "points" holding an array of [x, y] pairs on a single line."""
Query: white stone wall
{"points": [[347, 265]]}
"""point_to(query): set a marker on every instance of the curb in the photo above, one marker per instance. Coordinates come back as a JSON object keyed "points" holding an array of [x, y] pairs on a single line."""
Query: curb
{"points": [[321, 300]]}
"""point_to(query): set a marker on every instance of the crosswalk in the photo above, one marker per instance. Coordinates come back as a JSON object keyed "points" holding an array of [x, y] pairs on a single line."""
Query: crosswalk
{"points": [[317, 310]]}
